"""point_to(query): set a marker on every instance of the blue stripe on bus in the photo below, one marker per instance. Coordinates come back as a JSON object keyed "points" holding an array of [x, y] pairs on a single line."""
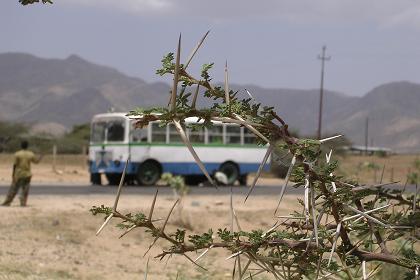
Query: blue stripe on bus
{"points": [[177, 168], [191, 168]]}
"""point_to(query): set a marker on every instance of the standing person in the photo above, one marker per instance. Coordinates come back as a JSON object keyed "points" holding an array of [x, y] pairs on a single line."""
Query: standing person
{"points": [[21, 174]]}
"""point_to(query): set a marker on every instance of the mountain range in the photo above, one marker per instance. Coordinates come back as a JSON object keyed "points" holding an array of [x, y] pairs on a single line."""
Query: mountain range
{"points": [[54, 94]]}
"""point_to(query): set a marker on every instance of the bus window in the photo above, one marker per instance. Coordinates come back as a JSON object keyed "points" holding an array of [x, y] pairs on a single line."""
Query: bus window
{"points": [[197, 135], [215, 134], [138, 135], [249, 137], [115, 131], [233, 134], [174, 136], [98, 132], [158, 133]]}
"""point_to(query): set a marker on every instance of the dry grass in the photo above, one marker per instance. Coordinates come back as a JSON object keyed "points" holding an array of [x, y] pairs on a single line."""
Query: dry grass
{"points": [[396, 167]]}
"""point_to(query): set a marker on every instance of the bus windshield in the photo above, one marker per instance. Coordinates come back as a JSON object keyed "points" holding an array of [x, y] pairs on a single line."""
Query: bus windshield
{"points": [[111, 131]]}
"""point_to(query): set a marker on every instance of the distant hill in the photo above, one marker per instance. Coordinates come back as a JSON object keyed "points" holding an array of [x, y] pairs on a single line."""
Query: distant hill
{"points": [[68, 91], [62, 92]]}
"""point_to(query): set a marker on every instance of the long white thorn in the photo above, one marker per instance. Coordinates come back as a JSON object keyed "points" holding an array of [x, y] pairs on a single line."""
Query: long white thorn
{"points": [[328, 156], [147, 269], [231, 209], [250, 127], [176, 76], [289, 172], [230, 120], [120, 185], [366, 212], [314, 215], [306, 200], [364, 270], [227, 98], [152, 208], [260, 169], [329, 138], [194, 51], [276, 225], [204, 253], [127, 231], [194, 101], [249, 94], [337, 232], [290, 217], [234, 255], [104, 224], [334, 186], [367, 216], [192, 151]]}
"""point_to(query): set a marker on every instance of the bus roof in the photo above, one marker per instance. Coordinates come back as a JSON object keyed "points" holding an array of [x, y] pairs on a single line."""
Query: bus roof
{"points": [[124, 115], [109, 115]]}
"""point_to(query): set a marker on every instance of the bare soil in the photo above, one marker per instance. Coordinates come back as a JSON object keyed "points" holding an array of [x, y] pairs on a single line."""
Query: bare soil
{"points": [[54, 238]]}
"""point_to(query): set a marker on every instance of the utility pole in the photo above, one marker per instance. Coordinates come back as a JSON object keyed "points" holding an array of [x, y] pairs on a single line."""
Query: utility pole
{"points": [[323, 58]]}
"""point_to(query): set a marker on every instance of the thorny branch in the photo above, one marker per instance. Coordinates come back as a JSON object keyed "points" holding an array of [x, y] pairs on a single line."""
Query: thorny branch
{"points": [[295, 249]]}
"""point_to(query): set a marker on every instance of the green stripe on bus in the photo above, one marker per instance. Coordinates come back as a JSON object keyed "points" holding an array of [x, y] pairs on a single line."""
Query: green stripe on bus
{"points": [[180, 145]]}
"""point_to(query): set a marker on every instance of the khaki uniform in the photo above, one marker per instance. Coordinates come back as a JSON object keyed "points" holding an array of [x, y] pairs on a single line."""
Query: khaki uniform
{"points": [[21, 176]]}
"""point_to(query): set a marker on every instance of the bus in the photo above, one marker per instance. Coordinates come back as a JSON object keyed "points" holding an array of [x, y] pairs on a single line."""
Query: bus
{"points": [[158, 148]]}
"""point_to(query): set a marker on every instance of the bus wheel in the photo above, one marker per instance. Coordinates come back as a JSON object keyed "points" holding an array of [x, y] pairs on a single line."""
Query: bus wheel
{"points": [[194, 180], [95, 179], [231, 171], [243, 179], [149, 173], [113, 178]]}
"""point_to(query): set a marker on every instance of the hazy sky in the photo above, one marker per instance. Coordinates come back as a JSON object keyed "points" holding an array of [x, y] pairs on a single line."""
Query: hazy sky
{"points": [[272, 43]]}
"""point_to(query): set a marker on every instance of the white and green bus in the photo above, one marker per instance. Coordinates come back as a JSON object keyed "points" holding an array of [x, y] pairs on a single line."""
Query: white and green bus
{"points": [[155, 149]]}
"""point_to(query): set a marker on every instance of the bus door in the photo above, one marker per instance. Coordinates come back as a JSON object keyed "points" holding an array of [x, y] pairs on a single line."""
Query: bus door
{"points": [[109, 146]]}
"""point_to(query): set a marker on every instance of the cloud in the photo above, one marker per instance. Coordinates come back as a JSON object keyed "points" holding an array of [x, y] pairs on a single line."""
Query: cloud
{"points": [[381, 12], [145, 7], [410, 17]]}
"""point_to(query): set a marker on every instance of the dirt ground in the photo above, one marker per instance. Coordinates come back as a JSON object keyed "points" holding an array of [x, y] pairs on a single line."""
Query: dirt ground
{"points": [[54, 238], [69, 169]]}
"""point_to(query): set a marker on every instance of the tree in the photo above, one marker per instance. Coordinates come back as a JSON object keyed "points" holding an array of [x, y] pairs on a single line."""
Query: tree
{"points": [[26, 2], [366, 224]]}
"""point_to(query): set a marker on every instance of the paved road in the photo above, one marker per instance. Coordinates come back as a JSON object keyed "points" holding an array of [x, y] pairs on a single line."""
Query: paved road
{"points": [[81, 190]]}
